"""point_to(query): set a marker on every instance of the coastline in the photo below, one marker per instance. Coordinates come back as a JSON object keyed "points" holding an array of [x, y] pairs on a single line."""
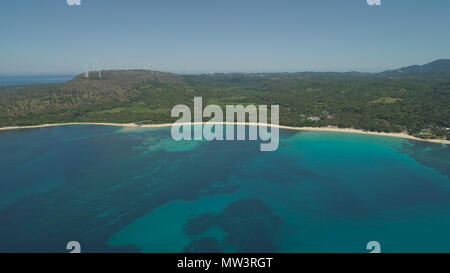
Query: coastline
{"points": [[285, 127]]}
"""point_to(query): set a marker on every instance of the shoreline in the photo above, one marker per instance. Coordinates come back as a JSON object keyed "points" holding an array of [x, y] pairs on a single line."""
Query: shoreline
{"points": [[285, 127]]}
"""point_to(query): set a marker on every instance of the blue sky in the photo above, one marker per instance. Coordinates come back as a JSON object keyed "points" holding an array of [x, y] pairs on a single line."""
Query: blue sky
{"points": [[204, 36]]}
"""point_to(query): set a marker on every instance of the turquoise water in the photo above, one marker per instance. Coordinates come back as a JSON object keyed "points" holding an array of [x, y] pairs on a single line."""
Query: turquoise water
{"points": [[136, 190]]}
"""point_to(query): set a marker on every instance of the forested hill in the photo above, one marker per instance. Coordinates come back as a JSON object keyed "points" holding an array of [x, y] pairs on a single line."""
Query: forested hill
{"points": [[439, 69], [414, 99]]}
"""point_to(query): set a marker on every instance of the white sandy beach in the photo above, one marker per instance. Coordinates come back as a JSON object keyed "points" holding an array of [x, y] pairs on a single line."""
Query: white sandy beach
{"points": [[320, 129]]}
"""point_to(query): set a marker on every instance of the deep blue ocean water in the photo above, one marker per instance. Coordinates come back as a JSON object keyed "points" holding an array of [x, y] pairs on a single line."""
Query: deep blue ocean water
{"points": [[136, 190], [34, 79]]}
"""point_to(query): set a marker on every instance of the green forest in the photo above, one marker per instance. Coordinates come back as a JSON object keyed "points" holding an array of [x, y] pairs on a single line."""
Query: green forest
{"points": [[384, 102]]}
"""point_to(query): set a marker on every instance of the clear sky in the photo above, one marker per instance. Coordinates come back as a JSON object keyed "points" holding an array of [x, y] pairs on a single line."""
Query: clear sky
{"points": [[51, 37]]}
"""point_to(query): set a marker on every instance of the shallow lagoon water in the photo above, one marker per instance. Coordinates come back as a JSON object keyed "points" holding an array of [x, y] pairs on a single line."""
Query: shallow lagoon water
{"points": [[136, 190]]}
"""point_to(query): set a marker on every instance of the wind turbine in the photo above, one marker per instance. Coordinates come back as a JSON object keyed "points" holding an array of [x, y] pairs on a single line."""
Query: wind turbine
{"points": [[151, 68], [96, 63], [99, 71], [86, 74]]}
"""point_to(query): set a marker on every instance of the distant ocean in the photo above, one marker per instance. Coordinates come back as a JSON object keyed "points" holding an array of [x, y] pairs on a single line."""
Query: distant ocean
{"points": [[22, 80], [136, 190]]}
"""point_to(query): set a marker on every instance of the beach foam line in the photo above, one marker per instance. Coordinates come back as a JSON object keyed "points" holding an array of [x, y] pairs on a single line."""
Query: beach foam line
{"points": [[318, 129], [66, 124]]}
